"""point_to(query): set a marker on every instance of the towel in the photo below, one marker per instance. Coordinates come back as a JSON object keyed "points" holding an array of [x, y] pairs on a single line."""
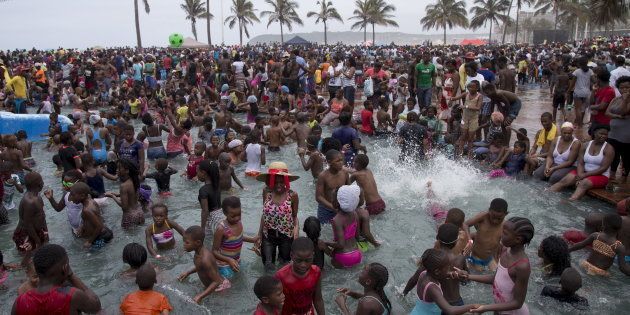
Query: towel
{"points": [[544, 136]]}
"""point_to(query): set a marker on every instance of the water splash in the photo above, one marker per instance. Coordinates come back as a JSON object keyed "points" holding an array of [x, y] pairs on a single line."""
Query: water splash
{"points": [[179, 293]]}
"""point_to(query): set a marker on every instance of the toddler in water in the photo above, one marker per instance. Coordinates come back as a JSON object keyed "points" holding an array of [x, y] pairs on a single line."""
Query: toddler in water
{"points": [[161, 231], [570, 282], [145, 300], [226, 173], [194, 160], [268, 290], [162, 176], [229, 238], [135, 256]]}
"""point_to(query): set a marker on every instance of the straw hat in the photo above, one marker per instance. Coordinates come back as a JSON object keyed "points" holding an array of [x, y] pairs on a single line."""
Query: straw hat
{"points": [[277, 168]]}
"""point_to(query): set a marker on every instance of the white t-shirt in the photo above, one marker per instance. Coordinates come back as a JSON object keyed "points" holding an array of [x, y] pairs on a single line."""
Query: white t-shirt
{"points": [[335, 80], [238, 67], [615, 75]]}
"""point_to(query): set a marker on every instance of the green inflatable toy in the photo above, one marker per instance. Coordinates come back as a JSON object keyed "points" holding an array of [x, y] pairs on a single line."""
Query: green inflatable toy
{"points": [[176, 40]]}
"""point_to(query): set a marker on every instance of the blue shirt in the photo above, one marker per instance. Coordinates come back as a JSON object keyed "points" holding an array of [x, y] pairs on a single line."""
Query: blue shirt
{"points": [[487, 75], [137, 72]]}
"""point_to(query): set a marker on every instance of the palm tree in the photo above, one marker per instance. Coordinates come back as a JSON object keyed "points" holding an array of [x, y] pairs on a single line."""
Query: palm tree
{"points": [[362, 15], [243, 14], [326, 12], [208, 23], [544, 6], [284, 13], [195, 9], [380, 14], [445, 13], [147, 9], [608, 12], [488, 10], [519, 4], [574, 12], [505, 25]]}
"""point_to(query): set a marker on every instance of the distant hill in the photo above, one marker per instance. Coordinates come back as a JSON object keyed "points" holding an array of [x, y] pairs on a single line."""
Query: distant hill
{"points": [[357, 37]]}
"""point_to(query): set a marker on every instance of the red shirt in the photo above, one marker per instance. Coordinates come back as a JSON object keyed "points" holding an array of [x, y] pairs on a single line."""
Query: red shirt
{"points": [[298, 292], [260, 311], [167, 63], [603, 95], [366, 122], [54, 302], [380, 74]]}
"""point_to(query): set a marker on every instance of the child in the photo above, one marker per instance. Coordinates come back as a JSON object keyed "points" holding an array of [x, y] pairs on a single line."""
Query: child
{"points": [[194, 160], [445, 106], [135, 256], [229, 238], [606, 247], [365, 179], [11, 183], [435, 208], [464, 243], [31, 231], [446, 240], [509, 282], [213, 151], [205, 264], [346, 252], [226, 173], [431, 300], [495, 128], [489, 226], [313, 230], [514, 161], [269, 291], [145, 300], [367, 119], [93, 176], [570, 282], [554, 252], [15, 156], [373, 278], [162, 176], [127, 198], [25, 146], [316, 159], [435, 125], [161, 231], [73, 210], [254, 154], [275, 135], [384, 119], [301, 280], [93, 229], [470, 118]]}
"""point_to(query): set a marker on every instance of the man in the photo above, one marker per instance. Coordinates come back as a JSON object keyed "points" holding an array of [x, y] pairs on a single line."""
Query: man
{"points": [[349, 137], [377, 75], [425, 74], [334, 75], [52, 295], [301, 75], [602, 96], [507, 77], [543, 139], [18, 84], [619, 72]]}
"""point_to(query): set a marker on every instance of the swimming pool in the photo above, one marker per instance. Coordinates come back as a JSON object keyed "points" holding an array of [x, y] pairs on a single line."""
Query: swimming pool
{"points": [[405, 230]]}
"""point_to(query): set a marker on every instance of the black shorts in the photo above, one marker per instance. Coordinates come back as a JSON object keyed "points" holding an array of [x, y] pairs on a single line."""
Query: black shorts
{"points": [[559, 101]]}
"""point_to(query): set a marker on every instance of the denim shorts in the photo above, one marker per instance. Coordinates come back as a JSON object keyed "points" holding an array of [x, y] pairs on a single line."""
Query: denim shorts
{"points": [[156, 153]]}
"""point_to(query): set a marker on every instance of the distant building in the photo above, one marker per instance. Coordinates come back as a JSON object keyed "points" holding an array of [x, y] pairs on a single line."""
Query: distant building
{"points": [[523, 15]]}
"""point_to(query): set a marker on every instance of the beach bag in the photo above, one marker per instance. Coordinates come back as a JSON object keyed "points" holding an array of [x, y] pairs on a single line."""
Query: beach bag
{"points": [[368, 87], [318, 76]]}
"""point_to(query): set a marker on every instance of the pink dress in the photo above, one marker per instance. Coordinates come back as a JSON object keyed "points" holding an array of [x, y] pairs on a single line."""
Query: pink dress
{"points": [[503, 287]]}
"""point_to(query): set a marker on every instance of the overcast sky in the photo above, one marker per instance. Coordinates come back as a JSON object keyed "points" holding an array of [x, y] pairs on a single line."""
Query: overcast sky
{"points": [[85, 23]]}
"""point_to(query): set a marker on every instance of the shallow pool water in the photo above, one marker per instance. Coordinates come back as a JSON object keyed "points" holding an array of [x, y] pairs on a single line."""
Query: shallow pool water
{"points": [[405, 230]]}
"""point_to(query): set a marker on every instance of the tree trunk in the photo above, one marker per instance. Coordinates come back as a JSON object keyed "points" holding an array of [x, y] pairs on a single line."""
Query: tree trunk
{"points": [[208, 22], [586, 30], [505, 26], [281, 34], [240, 31], [490, 35], [365, 34], [444, 26], [516, 30], [373, 36], [194, 27], [138, 38], [555, 23], [577, 24], [325, 34]]}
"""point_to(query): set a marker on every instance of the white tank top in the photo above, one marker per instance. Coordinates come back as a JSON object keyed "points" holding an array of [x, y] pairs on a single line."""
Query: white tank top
{"points": [[73, 210], [593, 162], [253, 157], [559, 158]]}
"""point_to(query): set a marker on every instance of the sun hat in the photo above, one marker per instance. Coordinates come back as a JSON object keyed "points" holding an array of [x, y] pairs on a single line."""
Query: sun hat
{"points": [[94, 119], [277, 169], [252, 99], [234, 143], [348, 197]]}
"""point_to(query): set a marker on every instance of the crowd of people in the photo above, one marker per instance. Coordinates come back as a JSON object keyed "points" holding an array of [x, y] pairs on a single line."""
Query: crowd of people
{"points": [[453, 100]]}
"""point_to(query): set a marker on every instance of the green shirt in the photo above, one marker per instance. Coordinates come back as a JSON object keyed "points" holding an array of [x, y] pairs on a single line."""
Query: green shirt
{"points": [[424, 75]]}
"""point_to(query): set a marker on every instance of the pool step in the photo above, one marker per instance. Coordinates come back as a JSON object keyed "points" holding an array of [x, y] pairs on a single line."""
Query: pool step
{"points": [[620, 192]]}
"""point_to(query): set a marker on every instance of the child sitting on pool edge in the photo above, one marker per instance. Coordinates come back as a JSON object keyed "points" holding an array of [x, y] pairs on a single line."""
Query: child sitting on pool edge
{"points": [[145, 299]]}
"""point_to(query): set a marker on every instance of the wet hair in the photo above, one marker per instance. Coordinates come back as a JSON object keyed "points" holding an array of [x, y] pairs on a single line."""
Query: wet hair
{"points": [[331, 144], [379, 275], [570, 280], [135, 255], [520, 144], [230, 202], [301, 244], [159, 205], [187, 124], [455, 216], [31, 180], [133, 171], [147, 119], [331, 154], [80, 188], [265, 285], [212, 170], [74, 174], [196, 233], [312, 141], [145, 277], [556, 251], [523, 228], [48, 256], [362, 160], [433, 259], [447, 235], [66, 138], [612, 221], [313, 228], [161, 164], [499, 205], [345, 118]]}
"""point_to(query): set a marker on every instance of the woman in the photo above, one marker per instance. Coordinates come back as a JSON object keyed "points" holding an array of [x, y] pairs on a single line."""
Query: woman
{"points": [[347, 79], [346, 253], [593, 166], [178, 140], [562, 159], [209, 197], [336, 105], [279, 223], [131, 148], [98, 140], [154, 137], [619, 137], [238, 68], [373, 300], [127, 198]]}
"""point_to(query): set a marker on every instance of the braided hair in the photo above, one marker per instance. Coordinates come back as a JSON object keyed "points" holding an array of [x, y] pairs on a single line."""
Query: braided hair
{"points": [[556, 251], [133, 172], [433, 259], [523, 228], [379, 274]]}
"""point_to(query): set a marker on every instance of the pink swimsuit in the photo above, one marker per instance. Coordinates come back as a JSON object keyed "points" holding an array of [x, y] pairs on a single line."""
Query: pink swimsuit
{"points": [[351, 258], [503, 287]]}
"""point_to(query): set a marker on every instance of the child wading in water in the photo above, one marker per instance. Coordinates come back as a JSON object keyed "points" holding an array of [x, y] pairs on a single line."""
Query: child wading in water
{"points": [[145, 300], [161, 231], [31, 231], [226, 173], [373, 300], [364, 177], [127, 199], [509, 283], [162, 176], [269, 291], [487, 239], [345, 225]]}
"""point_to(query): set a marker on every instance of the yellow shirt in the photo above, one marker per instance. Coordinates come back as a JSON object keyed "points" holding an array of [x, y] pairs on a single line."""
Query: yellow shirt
{"points": [[18, 84], [462, 77], [133, 106], [182, 113]]}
